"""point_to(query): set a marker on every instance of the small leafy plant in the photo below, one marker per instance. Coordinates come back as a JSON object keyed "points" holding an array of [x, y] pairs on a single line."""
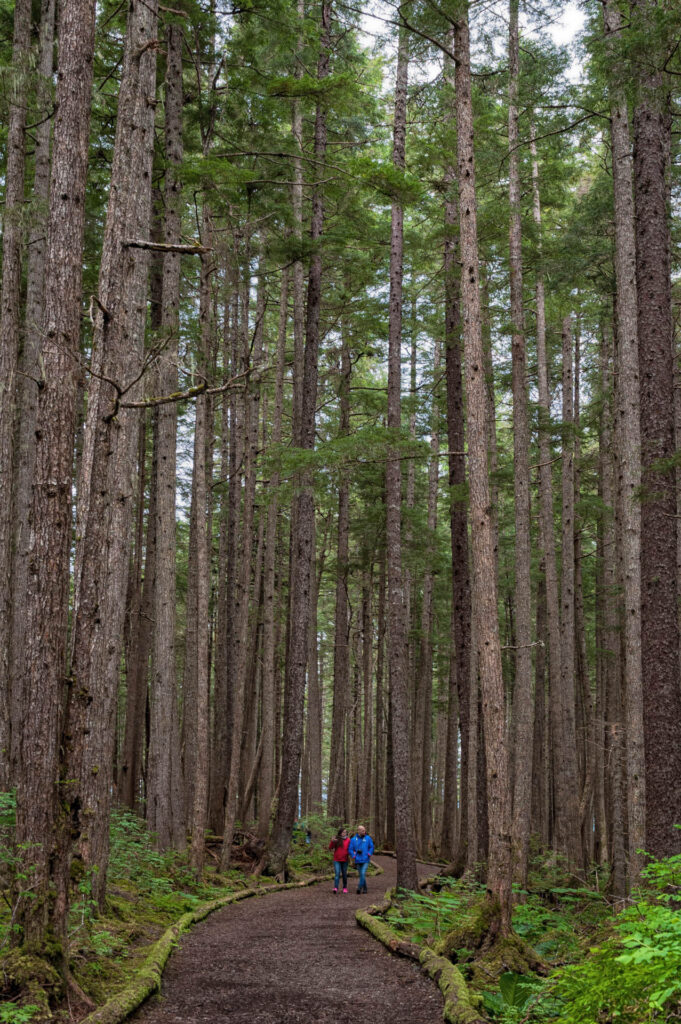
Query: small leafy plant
{"points": [[517, 993], [11, 1013]]}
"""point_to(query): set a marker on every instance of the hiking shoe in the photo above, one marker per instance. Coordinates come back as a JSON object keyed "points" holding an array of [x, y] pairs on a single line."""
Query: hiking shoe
{"points": [[345, 890], [335, 891]]}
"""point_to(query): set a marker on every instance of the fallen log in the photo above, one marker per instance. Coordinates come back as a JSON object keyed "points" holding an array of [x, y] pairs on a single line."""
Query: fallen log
{"points": [[461, 1005], [147, 980]]}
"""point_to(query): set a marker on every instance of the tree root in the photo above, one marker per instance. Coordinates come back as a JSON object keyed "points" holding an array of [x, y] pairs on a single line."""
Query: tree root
{"points": [[488, 954]]}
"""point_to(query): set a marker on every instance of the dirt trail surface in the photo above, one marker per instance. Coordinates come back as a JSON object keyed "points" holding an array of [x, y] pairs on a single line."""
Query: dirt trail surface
{"points": [[295, 957]]}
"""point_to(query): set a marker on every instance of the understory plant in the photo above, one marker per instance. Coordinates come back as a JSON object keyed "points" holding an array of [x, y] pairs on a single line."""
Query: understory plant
{"points": [[634, 975]]}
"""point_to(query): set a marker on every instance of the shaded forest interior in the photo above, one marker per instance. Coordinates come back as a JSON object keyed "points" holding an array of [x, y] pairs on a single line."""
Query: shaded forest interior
{"points": [[340, 411]]}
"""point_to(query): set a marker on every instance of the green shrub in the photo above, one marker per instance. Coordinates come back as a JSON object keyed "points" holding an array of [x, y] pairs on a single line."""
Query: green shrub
{"points": [[634, 975]]}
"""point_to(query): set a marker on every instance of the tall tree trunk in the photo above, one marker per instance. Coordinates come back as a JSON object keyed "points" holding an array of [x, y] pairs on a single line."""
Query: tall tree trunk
{"points": [[137, 665], [425, 686], [567, 817], [540, 760], [522, 690], [10, 323], [407, 877], [460, 671], [628, 428], [611, 642], [297, 211], [303, 507], [337, 799], [585, 719], [105, 481], [251, 403], [197, 735], [546, 527], [378, 813], [220, 747], [163, 817], [659, 619], [312, 771], [50, 512], [484, 590], [29, 369], [366, 777], [266, 783]]}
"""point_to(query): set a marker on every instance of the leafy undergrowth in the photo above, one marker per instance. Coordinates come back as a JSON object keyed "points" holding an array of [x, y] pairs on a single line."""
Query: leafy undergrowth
{"points": [[594, 965], [147, 891]]}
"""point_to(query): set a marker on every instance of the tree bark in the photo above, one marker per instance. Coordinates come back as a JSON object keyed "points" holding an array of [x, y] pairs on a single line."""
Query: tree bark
{"points": [[266, 783], [628, 428], [251, 403], [197, 735], [659, 619], [585, 725], [29, 368], [378, 815], [10, 323], [302, 532], [522, 688], [425, 688], [50, 512], [222, 703], [484, 589], [337, 799], [105, 481], [547, 530], [567, 809], [407, 877], [460, 670], [166, 820], [140, 641]]}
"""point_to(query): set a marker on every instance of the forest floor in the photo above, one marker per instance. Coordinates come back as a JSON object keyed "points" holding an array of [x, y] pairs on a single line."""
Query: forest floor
{"points": [[296, 957]]}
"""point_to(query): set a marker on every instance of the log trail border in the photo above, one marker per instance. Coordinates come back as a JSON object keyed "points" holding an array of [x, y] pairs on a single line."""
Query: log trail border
{"points": [[147, 980], [459, 1003]]}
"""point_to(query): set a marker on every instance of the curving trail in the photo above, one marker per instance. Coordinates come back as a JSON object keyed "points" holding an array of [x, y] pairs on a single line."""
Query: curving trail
{"points": [[295, 957]]}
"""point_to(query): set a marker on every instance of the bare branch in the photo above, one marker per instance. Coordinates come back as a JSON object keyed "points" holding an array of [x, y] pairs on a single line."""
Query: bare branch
{"points": [[198, 389], [190, 250]]}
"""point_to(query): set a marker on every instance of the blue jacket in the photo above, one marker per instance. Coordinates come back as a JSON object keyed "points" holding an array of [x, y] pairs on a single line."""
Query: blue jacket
{"points": [[361, 848]]}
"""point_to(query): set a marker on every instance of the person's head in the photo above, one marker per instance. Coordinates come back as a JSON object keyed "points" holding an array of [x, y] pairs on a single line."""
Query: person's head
{"points": [[342, 832], [361, 831]]}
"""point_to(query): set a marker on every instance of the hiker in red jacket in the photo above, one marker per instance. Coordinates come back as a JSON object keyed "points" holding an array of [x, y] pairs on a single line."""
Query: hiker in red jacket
{"points": [[339, 844]]}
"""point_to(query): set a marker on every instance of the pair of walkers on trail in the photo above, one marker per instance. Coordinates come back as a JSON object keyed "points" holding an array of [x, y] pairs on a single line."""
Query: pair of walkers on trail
{"points": [[359, 849]]}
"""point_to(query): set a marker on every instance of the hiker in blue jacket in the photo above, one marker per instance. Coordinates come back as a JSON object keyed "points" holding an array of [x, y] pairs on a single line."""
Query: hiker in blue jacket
{"points": [[361, 847]]}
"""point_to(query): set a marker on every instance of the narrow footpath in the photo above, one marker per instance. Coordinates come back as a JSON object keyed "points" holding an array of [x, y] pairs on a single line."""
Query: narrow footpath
{"points": [[295, 957]]}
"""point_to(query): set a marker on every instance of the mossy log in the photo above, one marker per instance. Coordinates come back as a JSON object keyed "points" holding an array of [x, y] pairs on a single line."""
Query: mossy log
{"points": [[384, 933], [147, 980], [461, 1006]]}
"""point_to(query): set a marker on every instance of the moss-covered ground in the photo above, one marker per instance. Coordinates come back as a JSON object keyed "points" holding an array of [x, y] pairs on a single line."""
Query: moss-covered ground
{"points": [[577, 955], [554, 922], [147, 892]]}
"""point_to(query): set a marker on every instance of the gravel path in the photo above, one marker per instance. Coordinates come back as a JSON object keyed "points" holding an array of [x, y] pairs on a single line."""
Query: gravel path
{"points": [[295, 957]]}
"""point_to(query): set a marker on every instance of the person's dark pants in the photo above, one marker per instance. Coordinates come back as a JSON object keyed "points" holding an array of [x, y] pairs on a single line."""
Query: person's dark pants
{"points": [[362, 880], [340, 867]]}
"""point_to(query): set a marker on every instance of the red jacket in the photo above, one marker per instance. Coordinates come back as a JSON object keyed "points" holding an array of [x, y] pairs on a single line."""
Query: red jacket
{"points": [[340, 852]]}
